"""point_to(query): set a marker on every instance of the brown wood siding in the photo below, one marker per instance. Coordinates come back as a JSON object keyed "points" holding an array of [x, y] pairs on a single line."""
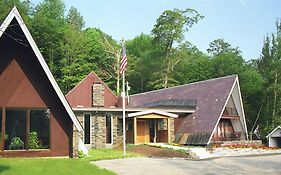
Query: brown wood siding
{"points": [[17, 90], [81, 95], [23, 83]]}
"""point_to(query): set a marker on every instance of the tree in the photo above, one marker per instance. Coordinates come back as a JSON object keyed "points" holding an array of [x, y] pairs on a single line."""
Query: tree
{"points": [[140, 51], [49, 32], [169, 31], [23, 6], [193, 66], [225, 59], [269, 65], [104, 61], [73, 60], [219, 46], [75, 19]]}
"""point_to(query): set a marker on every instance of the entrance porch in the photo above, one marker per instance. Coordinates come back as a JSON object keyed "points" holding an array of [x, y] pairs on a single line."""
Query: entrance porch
{"points": [[150, 127]]}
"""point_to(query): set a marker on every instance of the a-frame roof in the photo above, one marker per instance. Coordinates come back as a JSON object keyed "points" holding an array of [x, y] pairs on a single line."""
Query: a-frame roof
{"points": [[211, 96], [15, 15], [278, 127], [81, 94]]}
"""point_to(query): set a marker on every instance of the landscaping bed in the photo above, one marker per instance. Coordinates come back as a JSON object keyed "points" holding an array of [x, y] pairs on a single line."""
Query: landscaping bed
{"points": [[152, 151]]}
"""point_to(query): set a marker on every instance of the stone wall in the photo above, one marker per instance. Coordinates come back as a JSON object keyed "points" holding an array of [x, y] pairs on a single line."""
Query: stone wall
{"points": [[242, 142], [75, 142], [117, 131], [98, 130], [98, 94]]}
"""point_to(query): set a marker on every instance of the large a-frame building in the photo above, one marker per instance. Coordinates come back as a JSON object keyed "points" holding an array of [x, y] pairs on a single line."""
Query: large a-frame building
{"points": [[35, 117]]}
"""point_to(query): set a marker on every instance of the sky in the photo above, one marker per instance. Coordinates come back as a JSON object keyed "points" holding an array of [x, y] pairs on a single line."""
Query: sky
{"points": [[242, 23]]}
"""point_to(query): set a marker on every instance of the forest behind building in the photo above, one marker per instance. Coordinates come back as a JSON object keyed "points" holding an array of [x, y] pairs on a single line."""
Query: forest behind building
{"points": [[160, 59]]}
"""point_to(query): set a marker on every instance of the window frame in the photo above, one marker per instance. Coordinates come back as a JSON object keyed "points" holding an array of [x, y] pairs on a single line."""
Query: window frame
{"points": [[90, 131], [27, 129], [111, 128]]}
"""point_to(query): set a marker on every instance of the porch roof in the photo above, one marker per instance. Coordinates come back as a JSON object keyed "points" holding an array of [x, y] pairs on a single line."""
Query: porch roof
{"points": [[278, 127], [153, 112]]}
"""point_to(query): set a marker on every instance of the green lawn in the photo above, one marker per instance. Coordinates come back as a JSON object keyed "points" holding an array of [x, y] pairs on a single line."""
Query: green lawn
{"points": [[59, 166]]}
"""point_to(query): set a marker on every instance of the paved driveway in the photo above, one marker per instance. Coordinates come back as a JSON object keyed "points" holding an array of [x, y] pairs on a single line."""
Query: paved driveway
{"points": [[260, 165]]}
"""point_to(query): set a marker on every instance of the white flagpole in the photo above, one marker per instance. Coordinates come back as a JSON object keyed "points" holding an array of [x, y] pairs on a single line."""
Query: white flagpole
{"points": [[124, 124]]}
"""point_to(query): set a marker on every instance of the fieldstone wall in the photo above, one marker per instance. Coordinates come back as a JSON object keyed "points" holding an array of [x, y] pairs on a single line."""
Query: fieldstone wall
{"points": [[98, 94], [75, 140], [242, 142], [117, 131], [98, 130], [81, 120]]}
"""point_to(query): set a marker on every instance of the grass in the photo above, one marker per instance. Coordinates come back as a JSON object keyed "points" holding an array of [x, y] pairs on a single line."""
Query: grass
{"points": [[101, 154], [60, 166], [54, 166]]}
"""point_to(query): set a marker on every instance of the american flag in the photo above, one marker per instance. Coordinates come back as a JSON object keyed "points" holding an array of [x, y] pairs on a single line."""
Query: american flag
{"points": [[123, 63]]}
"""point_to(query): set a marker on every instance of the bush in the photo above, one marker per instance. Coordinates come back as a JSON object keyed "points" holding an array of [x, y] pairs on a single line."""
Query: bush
{"points": [[81, 154], [16, 143], [33, 141], [5, 136]]}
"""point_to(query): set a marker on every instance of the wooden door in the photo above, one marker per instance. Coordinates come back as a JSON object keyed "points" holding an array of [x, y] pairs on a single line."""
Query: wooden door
{"points": [[141, 131]]}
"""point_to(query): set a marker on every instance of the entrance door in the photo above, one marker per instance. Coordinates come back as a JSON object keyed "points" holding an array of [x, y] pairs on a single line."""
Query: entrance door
{"points": [[141, 132]]}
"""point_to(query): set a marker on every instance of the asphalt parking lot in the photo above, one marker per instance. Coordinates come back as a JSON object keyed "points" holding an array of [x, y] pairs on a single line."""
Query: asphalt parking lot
{"points": [[258, 165]]}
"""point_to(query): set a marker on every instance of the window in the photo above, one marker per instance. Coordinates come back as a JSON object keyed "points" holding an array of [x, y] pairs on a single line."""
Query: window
{"points": [[163, 124], [130, 125], [39, 129], [26, 129], [87, 129], [15, 127], [108, 123]]}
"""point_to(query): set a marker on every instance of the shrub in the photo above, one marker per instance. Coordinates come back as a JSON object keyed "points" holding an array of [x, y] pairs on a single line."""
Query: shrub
{"points": [[5, 136], [16, 143], [33, 141]]}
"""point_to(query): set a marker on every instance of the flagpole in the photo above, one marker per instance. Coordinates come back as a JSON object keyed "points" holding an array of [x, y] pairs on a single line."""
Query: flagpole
{"points": [[124, 109], [123, 94]]}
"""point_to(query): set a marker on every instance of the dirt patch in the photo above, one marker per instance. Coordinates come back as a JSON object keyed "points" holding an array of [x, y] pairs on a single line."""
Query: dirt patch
{"points": [[151, 151]]}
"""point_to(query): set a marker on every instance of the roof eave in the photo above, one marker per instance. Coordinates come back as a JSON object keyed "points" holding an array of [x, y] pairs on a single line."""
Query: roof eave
{"points": [[103, 109]]}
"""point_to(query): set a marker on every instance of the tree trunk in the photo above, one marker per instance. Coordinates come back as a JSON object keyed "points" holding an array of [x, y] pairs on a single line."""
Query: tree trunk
{"points": [[275, 89]]}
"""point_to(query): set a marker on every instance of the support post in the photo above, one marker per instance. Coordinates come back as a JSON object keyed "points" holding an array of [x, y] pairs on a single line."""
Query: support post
{"points": [[155, 131], [135, 130], [168, 129]]}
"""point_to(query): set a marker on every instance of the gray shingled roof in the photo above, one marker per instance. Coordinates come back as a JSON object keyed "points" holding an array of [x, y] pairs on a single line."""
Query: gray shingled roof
{"points": [[171, 104], [211, 96]]}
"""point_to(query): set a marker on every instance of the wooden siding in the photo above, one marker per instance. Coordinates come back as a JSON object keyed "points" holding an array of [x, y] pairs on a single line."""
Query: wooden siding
{"points": [[81, 94], [24, 84], [17, 90]]}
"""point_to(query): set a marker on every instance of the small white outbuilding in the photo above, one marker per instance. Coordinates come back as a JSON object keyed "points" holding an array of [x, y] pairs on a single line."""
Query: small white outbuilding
{"points": [[274, 138]]}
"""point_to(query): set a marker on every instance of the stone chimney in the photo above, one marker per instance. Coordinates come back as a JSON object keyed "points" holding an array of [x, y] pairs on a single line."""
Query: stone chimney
{"points": [[98, 94]]}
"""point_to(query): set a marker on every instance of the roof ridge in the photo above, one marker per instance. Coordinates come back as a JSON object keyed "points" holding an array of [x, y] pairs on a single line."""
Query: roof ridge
{"points": [[213, 79]]}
